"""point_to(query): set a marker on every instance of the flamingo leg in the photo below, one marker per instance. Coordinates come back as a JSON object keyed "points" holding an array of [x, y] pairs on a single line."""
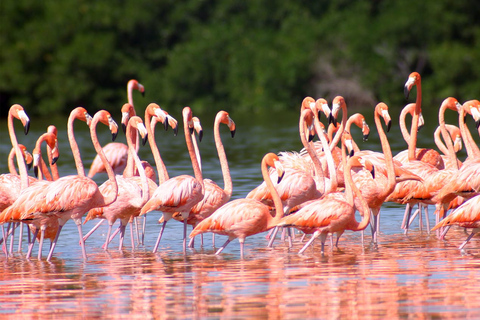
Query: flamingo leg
{"points": [[108, 237], [242, 247], [131, 236], [191, 243], [323, 238], [20, 238], [137, 232], [444, 232], [40, 244], [213, 240], [223, 247], [468, 239], [159, 237], [4, 247], [89, 233], [144, 227], [289, 235], [78, 222], [184, 235], [272, 238], [122, 227], [427, 219], [31, 243], [12, 237], [309, 242], [54, 243]]}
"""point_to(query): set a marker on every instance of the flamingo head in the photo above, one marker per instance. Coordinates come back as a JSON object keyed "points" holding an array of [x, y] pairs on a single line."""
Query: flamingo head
{"points": [[413, 79]]}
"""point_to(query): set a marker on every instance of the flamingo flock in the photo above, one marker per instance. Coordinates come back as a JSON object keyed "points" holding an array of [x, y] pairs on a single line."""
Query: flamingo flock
{"points": [[315, 191]]}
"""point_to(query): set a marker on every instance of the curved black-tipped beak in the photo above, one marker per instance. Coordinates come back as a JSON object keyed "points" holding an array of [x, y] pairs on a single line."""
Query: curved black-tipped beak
{"points": [[29, 165], [233, 133], [365, 137], [175, 131], [114, 136], [319, 115], [54, 160], [35, 171], [389, 125], [143, 93], [477, 124], [200, 135], [406, 92], [351, 154], [191, 130], [373, 172], [27, 127], [310, 137], [331, 119], [280, 178], [124, 128], [419, 127], [144, 140], [165, 124]]}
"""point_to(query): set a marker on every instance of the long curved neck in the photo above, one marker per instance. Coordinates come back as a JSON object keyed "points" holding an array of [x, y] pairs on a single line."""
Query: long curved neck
{"points": [[388, 159], [222, 156], [472, 149], [353, 119], [339, 133], [328, 155], [350, 190], [451, 156], [438, 141], [413, 133], [403, 125], [191, 151], [138, 163], [74, 146], [53, 167], [22, 168], [111, 196], [277, 201], [161, 168], [319, 174], [11, 163]]}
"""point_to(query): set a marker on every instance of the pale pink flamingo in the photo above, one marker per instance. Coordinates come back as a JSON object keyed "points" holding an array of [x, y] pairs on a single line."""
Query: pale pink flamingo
{"points": [[215, 196], [335, 212], [455, 137], [241, 218], [117, 152], [12, 184], [180, 193], [130, 195], [70, 197]]}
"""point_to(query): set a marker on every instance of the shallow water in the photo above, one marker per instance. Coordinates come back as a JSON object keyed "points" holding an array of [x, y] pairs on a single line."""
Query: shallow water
{"points": [[404, 276]]}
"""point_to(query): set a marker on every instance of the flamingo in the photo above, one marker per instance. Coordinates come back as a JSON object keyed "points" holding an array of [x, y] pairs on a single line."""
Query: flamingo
{"points": [[467, 216], [215, 196], [117, 152], [131, 195], [47, 226], [180, 193], [70, 197], [12, 184], [241, 218], [456, 138], [335, 212]]}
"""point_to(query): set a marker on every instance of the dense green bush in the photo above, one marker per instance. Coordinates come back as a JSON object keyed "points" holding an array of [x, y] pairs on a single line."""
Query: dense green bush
{"points": [[247, 56]]}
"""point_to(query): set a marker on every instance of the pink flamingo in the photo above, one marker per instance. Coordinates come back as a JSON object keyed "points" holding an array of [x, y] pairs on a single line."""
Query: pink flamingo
{"points": [[241, 218], [215, 196], [466, 216], [180, 193], [12, 184], [335, 212], [130, 196], [117, 152], [70, 197], [12, 156]]}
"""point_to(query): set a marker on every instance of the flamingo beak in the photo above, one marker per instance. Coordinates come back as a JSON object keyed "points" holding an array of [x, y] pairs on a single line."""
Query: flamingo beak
{"points": [[200, 135], [124, 128], [27, 127], [232, 132], [165, 124], [144, 139], [389, 125], [114, 136], [365, 137], [406, 91], [352, 153], [35, 171], [54, 160], [311, 137], [373, 172]]}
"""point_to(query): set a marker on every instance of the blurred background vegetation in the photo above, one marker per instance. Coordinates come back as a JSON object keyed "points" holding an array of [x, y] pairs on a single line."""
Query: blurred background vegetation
{"points": [[248, 55]]}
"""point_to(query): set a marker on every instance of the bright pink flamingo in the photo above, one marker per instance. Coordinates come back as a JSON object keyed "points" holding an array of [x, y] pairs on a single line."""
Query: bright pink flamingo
{"points": [[335, 212], [466, 216], [130, 196], [117, 152], [70, 197], [180, 193], [241, 218], [12, 156]]}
